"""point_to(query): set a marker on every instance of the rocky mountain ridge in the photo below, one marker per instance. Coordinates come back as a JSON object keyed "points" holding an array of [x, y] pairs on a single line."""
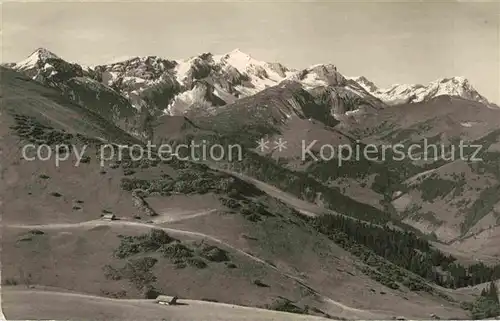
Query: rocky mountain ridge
{"points": [[214, 80], [413, 93]]}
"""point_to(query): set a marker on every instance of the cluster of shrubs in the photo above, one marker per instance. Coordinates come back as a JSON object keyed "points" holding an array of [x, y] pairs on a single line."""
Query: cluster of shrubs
{"points": [[213, 253], [285, 305], [252, 210], [130, 184], [31, 130], [137, 271], [159, 242], [149, 242], [114, 294], [127, 163], [187, 182]]}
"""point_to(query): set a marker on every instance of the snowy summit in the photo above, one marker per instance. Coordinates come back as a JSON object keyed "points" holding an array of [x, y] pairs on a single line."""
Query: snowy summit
{"points": [[412, 93]]}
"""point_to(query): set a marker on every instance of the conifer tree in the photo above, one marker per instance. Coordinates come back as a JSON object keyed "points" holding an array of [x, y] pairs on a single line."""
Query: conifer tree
{"points": [[493, 292]]}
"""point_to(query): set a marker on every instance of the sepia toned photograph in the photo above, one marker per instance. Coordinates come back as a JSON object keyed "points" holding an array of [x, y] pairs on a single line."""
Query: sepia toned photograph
{"points": [[250, 160]]}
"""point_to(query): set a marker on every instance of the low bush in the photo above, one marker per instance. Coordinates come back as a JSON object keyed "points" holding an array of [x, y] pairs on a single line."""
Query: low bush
{"points": [[214, 254], [10, 281], [128, 172], [37, 232], [150, 292], [196, 262], [111, 273], [176, 251], [138, 272], [260, 283], [285, 305]]}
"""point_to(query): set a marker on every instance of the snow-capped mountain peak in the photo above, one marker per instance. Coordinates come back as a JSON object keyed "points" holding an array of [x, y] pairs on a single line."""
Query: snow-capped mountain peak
{"points": [[44, 53], [411, 93], [239, 60], [38, 56], [321, 75], [43, 65], [365, 83], [246, 64]]}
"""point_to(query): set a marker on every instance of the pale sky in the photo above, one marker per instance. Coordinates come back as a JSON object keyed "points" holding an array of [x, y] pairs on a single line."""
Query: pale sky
{"points": [[387, 42]]}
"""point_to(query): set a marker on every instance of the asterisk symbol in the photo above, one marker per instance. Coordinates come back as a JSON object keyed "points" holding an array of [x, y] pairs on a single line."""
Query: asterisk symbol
{"points": [[280, 144], [262, 145]]}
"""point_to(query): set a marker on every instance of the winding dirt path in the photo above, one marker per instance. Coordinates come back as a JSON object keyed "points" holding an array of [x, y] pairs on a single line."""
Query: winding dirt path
{"points": [[352, 312]]}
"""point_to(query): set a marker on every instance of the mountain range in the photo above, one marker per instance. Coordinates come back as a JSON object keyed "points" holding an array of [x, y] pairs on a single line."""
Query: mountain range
{"points": [[370, 238], [207, 81]]}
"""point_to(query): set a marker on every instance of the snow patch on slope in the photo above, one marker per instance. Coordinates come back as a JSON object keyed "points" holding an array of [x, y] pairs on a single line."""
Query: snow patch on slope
{"points": [[312, 80], [182, 69]]}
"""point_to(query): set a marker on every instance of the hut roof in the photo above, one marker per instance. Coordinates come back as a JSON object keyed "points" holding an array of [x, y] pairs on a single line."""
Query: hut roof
{"points": [[165, 298]]}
